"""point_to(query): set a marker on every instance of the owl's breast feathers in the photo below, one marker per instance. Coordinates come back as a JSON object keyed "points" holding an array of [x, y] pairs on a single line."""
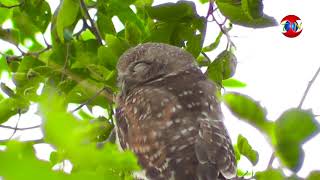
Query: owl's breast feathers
{"points": [[174, 126]]}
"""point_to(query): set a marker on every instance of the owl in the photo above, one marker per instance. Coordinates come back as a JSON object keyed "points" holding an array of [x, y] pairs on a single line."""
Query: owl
{"points": [[168, 115]]}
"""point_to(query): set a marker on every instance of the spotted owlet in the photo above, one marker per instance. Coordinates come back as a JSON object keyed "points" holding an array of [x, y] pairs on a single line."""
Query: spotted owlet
{"points": [[169, 117]]}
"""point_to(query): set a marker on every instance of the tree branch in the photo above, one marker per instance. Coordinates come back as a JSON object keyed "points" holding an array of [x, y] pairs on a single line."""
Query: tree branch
{"points": [[93, 28], [211, 10], [15, 129], [20, 129], [90, 99], [37, 53], [272, 158], [308, 87], [11, 58]]}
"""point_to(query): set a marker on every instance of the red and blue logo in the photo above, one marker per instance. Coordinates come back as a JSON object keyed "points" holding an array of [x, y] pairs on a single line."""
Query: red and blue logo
{"points": [[292, 26]]}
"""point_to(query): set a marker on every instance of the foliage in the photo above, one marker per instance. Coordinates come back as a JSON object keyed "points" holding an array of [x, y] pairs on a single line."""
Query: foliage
{"points": [[80, 67]]}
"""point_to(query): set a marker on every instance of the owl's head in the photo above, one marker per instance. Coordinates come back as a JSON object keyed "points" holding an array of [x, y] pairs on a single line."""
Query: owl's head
{"points": [[150, 61]]}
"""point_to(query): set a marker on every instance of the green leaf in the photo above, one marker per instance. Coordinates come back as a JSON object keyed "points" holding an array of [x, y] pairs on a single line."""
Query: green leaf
{"points": [[67, 15], [84, 115], [233, 83], [104, 19], [213, 45], [109, 55], [10, 35], [74, 140], [314, 175], [9, 2], [132, 33], [54, 157], [249, 110], [167, 12], [162, 32], [118, 45], [106, 55], [99, 73], [203, 1], [236, 152], [85, 52], [39, 13], [27, 63], [26, 79], [22, 156], [273, 174], [223, 67], [245, 149], [177, 24], [245, 13], [194, 45], [143, 3], [253, 8], [87, 35], [8, 108], [5, 14], [7, 90], [203, 61], [293, 118], [85, 90], [3, 65], [31, 17], [288, 144], [101, 130]]}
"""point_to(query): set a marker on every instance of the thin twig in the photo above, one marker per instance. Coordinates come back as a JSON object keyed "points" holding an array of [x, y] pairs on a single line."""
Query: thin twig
{"points": [[93, 28], [223, 30], [37, 53], [308, 87], [89, 100], [207, 57], [272, 158], [15, 129], [45, 41], [211, 10], [65, 62], [20, 129], [84, 27]]}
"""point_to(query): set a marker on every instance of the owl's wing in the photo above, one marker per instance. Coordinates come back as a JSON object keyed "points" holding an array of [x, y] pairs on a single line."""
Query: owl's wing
{"points": [[213, 145], [142, 118]]}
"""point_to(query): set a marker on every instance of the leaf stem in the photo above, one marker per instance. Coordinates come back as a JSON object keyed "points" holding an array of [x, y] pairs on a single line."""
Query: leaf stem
{"points": [[308, 88]]}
